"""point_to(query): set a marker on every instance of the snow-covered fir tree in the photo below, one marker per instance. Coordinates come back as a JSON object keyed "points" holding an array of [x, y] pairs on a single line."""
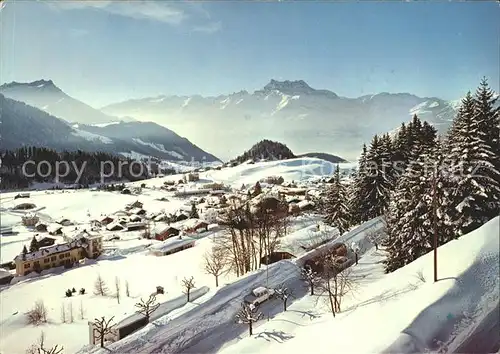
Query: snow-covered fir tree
{"points": [[376, 186], [410, 215], [356, 190], [473, 176], [336, 208]]}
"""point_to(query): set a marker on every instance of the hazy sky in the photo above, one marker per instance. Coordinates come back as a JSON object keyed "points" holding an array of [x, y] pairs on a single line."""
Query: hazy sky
{"points": [[102, 52]]}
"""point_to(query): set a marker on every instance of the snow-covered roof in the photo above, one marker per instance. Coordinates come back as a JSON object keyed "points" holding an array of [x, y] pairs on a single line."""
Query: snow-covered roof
{"points": [[53, 228], [172, 243], [113, 225], [84, 234], [160, 227], [47, 251]]}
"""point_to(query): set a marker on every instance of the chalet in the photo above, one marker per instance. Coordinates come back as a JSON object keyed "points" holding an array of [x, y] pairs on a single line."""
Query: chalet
{"points": [[66, 254], [64, 222], [133, 226], [172, 245], [54, 229], [106, 220], [41, 227], [137, 211], [195, 226], [114, 226], [136, 204], [181, 217], [275, 257], [162, 233], [5, 277], [46, 241]]}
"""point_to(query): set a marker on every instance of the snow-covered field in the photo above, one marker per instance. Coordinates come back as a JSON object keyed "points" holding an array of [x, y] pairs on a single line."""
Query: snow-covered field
{"points": [[397, 312]]}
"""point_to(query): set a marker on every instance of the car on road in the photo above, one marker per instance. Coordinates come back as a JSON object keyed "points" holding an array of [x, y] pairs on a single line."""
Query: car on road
{"points": [[258, 296]]}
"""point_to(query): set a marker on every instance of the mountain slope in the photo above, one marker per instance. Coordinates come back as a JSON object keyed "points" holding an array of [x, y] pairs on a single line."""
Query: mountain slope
{"points": [[327, 157], [45, 95], [23, 125], [307, 119]]}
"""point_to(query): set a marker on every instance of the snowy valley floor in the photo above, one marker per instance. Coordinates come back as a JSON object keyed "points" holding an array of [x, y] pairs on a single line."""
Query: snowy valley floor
{"points": [[398, 312]]}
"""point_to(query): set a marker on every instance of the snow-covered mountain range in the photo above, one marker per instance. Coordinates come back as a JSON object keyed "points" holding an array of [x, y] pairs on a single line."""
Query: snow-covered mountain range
{"points": [[304, 118], [45, 95], [24, 125]]}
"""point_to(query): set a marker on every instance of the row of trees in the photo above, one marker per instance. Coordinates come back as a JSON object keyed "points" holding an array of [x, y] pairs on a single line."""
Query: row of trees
{"points": [[45, 165], [424, 185]]}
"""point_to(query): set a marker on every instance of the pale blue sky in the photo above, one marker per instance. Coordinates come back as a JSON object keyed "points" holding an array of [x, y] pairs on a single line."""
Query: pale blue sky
{"points": [[103, 52]]}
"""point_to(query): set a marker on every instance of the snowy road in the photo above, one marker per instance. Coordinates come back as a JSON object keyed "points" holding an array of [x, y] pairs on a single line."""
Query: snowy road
{"points": [[206, 328]]}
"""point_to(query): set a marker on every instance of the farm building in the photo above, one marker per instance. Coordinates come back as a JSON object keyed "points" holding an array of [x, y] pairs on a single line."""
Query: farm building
{"points": [[133, 226], [172, 245], [163, 232]]}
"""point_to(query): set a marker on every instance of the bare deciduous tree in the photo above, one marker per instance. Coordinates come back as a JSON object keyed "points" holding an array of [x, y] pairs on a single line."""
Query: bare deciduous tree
{"points": [[215, 262], [63, 313], [310, 277], [102, 327], [100, 287], [146, 308], [70, 312], [283, 293], [81, 311], [337, 282], [127, 288], [117, 289], [39, 348], [188, 285], [248, 314], [38, 314]]}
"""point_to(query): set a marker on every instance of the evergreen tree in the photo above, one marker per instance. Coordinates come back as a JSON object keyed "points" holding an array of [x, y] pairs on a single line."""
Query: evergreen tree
{"points": [[193, 214], [337, 212], [24, 251], [34, 246], [376, 185], [473, 178], [357, 190], [257, 189]]}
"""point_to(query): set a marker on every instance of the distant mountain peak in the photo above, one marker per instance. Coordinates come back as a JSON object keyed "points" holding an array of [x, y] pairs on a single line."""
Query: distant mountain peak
{"points": [[39, 84], [295, 88]]}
